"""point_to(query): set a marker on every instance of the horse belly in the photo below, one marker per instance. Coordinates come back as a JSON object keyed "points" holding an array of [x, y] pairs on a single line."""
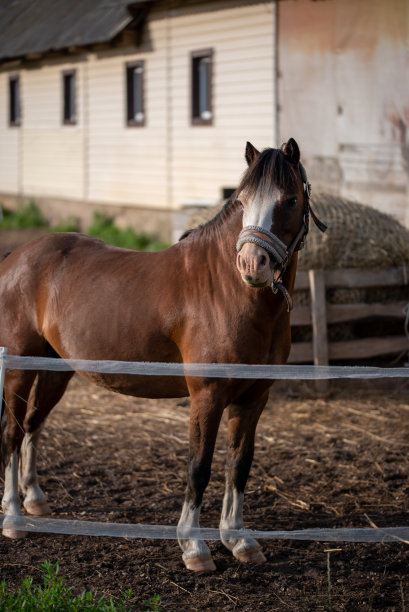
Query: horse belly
{"points": [[152, 387]]}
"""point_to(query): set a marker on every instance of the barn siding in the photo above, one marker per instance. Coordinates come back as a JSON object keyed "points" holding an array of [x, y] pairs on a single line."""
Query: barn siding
{"points": [[9, 141], [167, 163], [343, 94], [205, 158], [52, 153], [344, 91]]}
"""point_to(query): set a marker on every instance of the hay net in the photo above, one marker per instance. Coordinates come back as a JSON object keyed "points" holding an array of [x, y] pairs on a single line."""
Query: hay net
{"points": [[358, 236]]}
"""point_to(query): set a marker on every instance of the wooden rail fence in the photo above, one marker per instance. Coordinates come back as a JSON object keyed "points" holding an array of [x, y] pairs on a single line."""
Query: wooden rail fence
{"points": [[319, 314]]}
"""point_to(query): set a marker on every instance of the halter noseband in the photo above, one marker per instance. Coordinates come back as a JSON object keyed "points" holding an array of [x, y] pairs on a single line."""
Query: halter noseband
{"points": [[275, 247]]}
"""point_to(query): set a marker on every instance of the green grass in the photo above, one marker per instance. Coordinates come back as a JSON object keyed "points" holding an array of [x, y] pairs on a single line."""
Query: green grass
{"points": [[27, 215], [103, 227], [67, 225], [54, 594]]}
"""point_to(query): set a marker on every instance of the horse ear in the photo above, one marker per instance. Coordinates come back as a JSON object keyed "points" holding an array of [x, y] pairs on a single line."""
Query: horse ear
{"points": [[291, 151], [251, 153]]}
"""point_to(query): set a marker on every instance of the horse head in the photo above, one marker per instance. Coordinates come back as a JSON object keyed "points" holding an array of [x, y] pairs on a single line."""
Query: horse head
{"points": [[274, 193]]}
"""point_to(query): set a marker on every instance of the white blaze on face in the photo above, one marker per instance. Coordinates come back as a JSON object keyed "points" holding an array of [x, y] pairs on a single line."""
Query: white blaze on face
{"points": [[259, 211]]}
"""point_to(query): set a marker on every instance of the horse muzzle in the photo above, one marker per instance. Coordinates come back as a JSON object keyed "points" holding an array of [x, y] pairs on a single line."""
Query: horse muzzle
{"points": [[255, 266], [260, 254]]}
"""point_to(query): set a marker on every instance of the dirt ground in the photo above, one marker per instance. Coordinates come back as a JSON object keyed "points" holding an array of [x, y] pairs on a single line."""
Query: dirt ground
{"points": [[319, 462]]}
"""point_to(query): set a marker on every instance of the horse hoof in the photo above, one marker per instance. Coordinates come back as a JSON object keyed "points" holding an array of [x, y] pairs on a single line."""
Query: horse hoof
{"points": [[252, 555], [14, 534], [37, 508], [201, 563]]}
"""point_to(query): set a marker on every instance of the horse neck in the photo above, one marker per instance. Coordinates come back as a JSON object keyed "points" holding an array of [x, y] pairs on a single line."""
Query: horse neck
{"points": [[217, 239]]}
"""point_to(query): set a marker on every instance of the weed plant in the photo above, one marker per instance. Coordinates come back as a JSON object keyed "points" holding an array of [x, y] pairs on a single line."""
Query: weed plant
{"points": [[26, 216], [54, 594], [104, 228]]}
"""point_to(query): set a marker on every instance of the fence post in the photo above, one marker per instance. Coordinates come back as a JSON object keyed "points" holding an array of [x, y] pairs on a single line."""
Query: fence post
{"points": [[319, 324], [3, 354], [319, 316]]}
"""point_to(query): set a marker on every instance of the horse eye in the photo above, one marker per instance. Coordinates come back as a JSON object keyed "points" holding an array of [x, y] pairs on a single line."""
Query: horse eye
{"points": [[291, 202]]}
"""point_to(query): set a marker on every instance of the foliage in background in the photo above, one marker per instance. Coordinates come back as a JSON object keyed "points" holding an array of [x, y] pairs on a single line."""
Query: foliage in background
{"points": [[54, 594], [102, 227], [27, 215], [67, 225]]}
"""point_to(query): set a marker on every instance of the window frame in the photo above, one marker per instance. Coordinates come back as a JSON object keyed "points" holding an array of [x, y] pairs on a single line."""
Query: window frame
{"points": [[195, 57], [129, 94], [69, 118], [14, 101]]}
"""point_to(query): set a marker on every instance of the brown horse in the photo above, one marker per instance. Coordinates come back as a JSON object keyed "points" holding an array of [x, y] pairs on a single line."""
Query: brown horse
{"points": [[206, 299]]}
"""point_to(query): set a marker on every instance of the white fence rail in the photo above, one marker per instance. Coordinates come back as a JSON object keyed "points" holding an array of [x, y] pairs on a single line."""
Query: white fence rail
{"points": [[212, 370]]}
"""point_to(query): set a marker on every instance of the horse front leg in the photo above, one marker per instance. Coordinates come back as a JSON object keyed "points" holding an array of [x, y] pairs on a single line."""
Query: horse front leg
{"points": [[242, 424], [205, 418]]}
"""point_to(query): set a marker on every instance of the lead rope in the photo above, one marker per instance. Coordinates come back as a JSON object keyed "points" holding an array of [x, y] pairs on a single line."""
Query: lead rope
{"points": [[276, 286]]}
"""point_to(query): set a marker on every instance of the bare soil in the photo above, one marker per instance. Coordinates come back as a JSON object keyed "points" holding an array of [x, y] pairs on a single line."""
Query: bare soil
{"points": [[319, 462]]}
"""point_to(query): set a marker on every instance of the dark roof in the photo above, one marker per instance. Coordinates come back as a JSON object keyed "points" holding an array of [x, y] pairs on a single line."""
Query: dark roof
{"points": [[39, 26]]}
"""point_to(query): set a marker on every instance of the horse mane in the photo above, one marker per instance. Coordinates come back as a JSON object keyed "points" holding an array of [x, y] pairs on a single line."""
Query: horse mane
{"points": [[256, 179], [220, 217]]}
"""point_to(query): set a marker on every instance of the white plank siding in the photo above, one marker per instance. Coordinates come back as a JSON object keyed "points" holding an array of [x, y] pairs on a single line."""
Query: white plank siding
{"points": [[52, 153], [127, 165], [9, 140], [206, 158], [168, 162]]}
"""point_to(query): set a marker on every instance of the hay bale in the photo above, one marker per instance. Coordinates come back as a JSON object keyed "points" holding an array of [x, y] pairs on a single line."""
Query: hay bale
{"points": [[358, 236]]}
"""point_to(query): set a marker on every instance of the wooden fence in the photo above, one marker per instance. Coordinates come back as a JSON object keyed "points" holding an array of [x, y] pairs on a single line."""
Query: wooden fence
{"points": [[319, 314]]}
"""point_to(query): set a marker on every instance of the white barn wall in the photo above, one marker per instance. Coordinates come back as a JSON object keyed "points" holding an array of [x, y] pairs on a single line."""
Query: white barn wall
{"points": [[52, 153], [168, 162], [127, 165], [9, 141], [206, 158]]}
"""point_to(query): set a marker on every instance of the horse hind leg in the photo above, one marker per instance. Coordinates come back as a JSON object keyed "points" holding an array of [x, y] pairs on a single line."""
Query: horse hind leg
{"points": [[48, 391], [16, 393], [242, 424]]}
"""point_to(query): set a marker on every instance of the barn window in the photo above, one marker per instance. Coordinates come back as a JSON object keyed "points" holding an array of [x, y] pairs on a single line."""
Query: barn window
{"points": [[69, 97], [135, 111], [14, 100], [202, 64]]}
